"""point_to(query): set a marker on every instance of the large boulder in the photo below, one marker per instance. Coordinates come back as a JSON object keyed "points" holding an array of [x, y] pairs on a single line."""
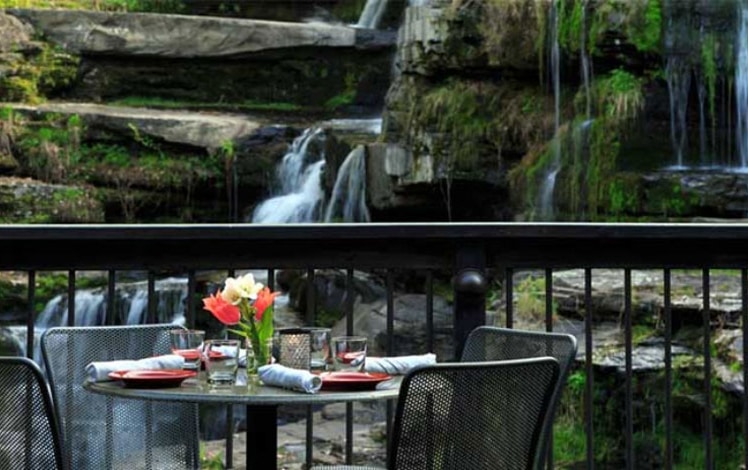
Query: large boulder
{"points": [[207, 131], [177, 36]]}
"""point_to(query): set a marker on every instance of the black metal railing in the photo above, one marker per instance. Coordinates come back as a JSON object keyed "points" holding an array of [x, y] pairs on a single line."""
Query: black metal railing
{"points": [[468, 251]]}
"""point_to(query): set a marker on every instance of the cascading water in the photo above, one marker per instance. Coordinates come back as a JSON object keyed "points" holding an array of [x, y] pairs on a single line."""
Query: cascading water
{"points": [[586, 63], [130, 304], [549, 184], [678, 76], [372, 14], [299, 176], [348, 200], [303, 197], [373, 11], [741, 85], [130, 308]]}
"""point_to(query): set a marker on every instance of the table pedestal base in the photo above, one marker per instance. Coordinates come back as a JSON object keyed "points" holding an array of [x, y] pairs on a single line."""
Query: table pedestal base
{"points": [[262, 437]]}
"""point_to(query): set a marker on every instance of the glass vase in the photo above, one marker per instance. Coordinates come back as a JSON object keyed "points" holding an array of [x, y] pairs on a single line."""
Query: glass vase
{"points": [[257, 355]]}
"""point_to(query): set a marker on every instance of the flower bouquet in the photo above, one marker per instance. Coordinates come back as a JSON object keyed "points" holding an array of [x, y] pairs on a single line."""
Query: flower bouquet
{"points": [[247, 307]]}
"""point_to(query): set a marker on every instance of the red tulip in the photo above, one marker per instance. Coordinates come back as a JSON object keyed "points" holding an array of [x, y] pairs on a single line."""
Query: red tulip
{"points": [[264, 299], [224, 311]]}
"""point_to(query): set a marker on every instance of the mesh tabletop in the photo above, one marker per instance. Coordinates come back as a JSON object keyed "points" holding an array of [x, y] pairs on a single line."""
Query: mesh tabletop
{"points": [[199, 391]]}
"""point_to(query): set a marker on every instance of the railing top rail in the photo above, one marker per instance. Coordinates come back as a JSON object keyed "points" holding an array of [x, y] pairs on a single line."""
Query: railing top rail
{"points": [[409, 245], [486, 230]]}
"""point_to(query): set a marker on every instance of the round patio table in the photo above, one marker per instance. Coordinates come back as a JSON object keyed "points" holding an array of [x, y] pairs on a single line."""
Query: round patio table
{"points": [[261, 401]]}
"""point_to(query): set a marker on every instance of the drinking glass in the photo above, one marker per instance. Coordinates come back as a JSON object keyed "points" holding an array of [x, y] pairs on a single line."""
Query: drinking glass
{"points": [[221, 358], [189, 345], [319, 339], [349, 353]]}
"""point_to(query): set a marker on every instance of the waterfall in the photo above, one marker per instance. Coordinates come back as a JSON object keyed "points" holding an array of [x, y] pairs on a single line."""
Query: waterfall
{"points": [[549, 184], [373, 11], [741, 86], [299, 177], [131, 300], [586, 63], [130, 308], [302, 195], [372, 14], [678, 75], [348, 200]]}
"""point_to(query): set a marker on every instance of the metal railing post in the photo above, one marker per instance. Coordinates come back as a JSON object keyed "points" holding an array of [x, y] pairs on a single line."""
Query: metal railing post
{"points": [[470, 287]]}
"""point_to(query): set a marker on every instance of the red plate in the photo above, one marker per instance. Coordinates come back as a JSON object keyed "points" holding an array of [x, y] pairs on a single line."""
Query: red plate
{"points": [[187, 354], [152, 378], [352, 380]]}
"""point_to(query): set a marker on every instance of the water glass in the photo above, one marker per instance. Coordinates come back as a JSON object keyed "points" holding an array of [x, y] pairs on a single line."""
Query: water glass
{"points": [[319, 339], [349, 353], [221, 358], [189, 345]]}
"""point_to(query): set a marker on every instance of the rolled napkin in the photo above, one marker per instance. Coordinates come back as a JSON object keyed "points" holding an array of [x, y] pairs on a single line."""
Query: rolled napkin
{"points": [[398, 365], [99, 371], [296, 379], [230, 352]]}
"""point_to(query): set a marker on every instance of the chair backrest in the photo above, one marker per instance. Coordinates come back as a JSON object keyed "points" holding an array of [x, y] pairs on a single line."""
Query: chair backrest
{"points": [[489, 343], [29, 433], [476, 415], [111, 433]]}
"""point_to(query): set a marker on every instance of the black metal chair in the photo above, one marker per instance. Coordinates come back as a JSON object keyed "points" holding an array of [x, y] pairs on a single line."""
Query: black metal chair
{"points": [[476, 415], [490, 343], [29, 433], [103, 432]]}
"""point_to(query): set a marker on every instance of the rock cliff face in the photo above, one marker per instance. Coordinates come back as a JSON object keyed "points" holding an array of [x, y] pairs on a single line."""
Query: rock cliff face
{"points": [[481, 97], [205, 162], [491, 111]]}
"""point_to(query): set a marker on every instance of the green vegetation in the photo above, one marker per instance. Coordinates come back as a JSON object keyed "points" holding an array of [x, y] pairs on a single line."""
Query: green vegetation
{"points": [[155, 6], [210, 461], [52, 150], [161, 103], [649, 432], [349, 11], [530, 298], [709, 69], [589, 151], [641, 21], [35, 78], [644, 25], [459, 110]]}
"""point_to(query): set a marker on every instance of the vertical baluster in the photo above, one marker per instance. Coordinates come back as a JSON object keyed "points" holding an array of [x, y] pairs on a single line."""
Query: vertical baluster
{"points": [[151, 312], [311, 320], [190, 314], [589, 390], [708, 464], [744, 312], [230, 427], [349, 294], [549, 300], [71, 298], [629, 375], [31, 315], [668, 371], [549, 328], [430, 310], [390, 345], [111, 293], [509, 286]]}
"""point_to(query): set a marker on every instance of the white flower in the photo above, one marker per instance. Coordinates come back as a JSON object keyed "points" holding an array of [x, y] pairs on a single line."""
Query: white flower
{"points": [[240, 288]]}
